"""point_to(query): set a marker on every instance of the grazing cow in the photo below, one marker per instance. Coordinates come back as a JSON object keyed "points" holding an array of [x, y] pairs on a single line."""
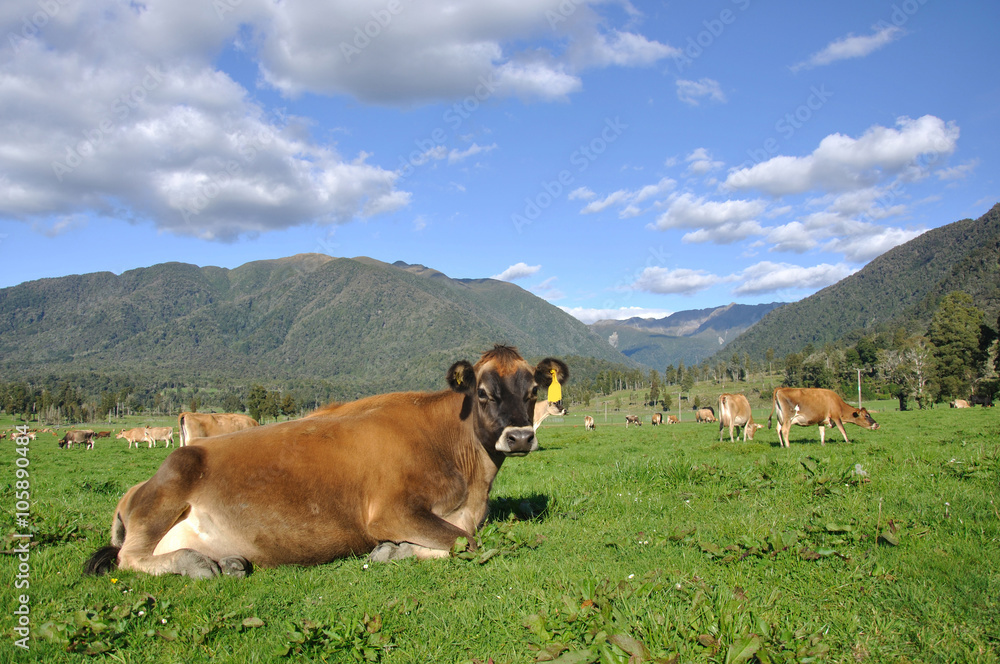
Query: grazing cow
{"points": [[588, 423], [545, 408], [983, 400], [657, 419], [672, 419], [153, 434], [394, 475], [734, 412], [704, 415], [133, 436], [960, 403], [203, 425], [632, 419], [102, 434], [813, 405], [77, 437]]}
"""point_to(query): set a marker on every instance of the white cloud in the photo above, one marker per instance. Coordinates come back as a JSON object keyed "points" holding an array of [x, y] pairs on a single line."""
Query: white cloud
{"points": [[959, 172], [692, 92], [792, 237], [458, 155], [767, 277], [441, 50], [851, 46], [686, 211], [727, 233], [842, 163], [588, 316], [861, 248], [582, 194], [517, 271], [700, 162], [627, 199], [141, 124], [681, 280]]}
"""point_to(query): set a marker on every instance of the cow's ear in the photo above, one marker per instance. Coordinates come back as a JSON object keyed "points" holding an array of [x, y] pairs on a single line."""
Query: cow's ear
{"points": [[462, 377], [543, 372]]}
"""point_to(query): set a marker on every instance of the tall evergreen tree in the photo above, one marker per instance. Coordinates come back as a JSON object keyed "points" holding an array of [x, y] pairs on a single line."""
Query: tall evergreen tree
{"points": [[954, 331]]}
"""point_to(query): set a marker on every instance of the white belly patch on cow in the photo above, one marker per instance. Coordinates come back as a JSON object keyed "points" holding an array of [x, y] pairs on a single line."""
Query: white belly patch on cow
{"points": [[195, 531]]}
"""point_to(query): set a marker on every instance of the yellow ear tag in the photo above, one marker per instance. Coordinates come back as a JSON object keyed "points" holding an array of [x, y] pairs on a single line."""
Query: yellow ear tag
{"points": [[555, 391], [458, 377]]}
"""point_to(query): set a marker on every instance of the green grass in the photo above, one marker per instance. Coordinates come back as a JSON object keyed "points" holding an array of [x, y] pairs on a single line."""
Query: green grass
{"points": [[658, 542]]}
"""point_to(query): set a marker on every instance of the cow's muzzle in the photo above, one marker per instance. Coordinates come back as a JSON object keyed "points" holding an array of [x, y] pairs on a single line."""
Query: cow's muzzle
{"points": [[517, 441]]}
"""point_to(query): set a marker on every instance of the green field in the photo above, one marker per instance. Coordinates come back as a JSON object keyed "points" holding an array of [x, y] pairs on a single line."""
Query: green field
{"points": [[657, 543]]}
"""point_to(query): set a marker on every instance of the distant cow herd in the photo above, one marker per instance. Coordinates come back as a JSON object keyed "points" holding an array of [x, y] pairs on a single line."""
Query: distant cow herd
{"points": [[391, 476]]}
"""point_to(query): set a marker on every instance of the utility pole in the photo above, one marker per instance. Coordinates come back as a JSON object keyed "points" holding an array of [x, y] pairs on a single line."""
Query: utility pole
{"points": [[859, 387]]}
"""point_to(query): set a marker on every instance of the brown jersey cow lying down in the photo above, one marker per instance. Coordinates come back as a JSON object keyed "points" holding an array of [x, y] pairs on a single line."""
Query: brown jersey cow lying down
{"points": [[395, 475]]}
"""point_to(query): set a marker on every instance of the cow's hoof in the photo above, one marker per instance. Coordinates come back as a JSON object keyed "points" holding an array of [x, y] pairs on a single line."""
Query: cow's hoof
{"points": [[387, 551], [196, 565], [236, 566]]}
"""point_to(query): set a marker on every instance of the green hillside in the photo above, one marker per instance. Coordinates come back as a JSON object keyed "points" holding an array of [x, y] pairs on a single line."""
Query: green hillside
{"points": [[900, 288], [363, 325]]}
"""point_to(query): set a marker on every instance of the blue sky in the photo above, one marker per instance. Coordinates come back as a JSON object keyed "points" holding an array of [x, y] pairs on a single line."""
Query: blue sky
{"points": [[614, 158]]}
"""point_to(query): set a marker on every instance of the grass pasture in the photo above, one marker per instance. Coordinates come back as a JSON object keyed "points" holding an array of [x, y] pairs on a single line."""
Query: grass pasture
{"points": [[656, 543]]}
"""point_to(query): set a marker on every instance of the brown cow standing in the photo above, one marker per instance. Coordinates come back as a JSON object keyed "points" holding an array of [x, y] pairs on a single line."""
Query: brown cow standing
{"points": [[394, 475], [588, 423], [735, 412], [960, 403], [203, 425], [657, 419], [132, 436], [672, 419], [78, 437], [704, 415], [813, 405], [632, 419]]}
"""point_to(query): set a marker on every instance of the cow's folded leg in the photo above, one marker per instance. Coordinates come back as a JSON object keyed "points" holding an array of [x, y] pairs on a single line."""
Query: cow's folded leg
{"points": [[187, 562]]}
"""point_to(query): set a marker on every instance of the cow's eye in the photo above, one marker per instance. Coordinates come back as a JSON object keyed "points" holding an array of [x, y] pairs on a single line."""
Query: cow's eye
{"points": [[533, 394], [483, 395]]}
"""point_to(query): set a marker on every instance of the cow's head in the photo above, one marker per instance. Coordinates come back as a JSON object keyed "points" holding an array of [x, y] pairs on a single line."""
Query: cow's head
{"points": [[500, 393], [864, 420]]}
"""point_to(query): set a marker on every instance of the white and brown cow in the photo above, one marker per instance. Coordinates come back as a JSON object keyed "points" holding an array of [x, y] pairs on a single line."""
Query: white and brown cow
{"points": [[960, 403], [203, 425], [588, 423], [632, 419], [672, 419], [657, 419], [806, 406], [77, 437], [394, 475], [735, 412]]}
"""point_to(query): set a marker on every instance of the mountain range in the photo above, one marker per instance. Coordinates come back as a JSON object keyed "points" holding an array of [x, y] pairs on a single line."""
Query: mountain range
{"points": [[368, 326]]}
